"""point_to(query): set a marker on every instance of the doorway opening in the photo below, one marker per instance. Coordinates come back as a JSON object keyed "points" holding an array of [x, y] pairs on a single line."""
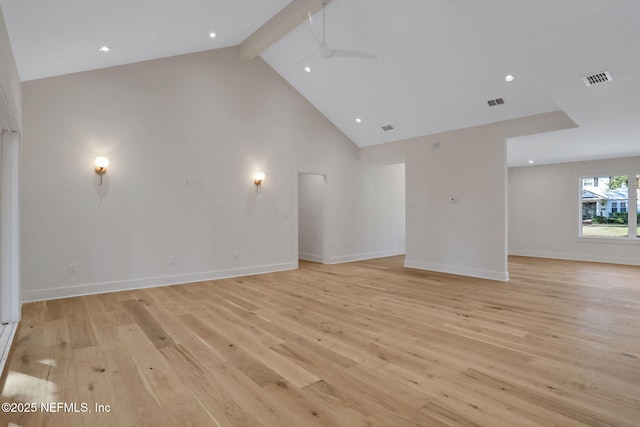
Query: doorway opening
{"points": [[311, 213]]}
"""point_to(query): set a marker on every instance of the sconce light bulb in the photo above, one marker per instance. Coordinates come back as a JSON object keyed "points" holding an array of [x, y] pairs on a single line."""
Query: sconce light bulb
{"points": [[257, 180], [101, 166], [102, 162]]}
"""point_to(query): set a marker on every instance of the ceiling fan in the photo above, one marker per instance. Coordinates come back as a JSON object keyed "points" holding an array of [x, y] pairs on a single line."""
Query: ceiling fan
{"points": [[325, 52]]}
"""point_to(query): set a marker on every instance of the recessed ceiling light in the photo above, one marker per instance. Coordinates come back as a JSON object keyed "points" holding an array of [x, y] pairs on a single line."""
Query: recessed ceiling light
{"points": [[531, 162], [104, 49], [307, 69], [509, 78], [212, 35], [358, 120]]}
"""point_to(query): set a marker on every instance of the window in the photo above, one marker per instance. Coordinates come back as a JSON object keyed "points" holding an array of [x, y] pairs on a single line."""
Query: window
{"points": [[604, 206]]}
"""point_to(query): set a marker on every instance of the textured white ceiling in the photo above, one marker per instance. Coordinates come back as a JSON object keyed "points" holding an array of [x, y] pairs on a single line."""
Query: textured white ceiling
{"points": [[439, 61]]}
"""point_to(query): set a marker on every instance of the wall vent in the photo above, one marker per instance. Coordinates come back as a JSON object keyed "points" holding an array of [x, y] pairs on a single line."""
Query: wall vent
{"points": [[387, 128], [598, 78], [494, 102]]}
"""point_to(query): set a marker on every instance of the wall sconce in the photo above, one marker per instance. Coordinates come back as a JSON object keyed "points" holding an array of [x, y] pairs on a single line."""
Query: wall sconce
{"points": [[101, 166], [257, 180]]}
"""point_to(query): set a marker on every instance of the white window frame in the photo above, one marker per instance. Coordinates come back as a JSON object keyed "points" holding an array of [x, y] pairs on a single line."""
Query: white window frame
{"points": [[631, 201]]}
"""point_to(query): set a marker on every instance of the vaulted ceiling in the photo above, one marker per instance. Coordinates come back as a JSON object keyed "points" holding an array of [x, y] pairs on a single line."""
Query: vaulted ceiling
{"points": [[438, 61]]}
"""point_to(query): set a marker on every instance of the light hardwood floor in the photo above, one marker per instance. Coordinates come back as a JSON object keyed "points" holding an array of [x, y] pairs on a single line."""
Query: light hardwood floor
{"points": [[366, 343]]}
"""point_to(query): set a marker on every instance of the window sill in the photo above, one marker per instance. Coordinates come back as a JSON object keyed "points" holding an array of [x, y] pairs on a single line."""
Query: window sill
{"points": [[620, 240]]}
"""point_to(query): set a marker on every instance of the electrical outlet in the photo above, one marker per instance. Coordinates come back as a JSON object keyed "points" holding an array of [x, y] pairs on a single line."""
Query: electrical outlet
{"points": [[172, 260], [236, 255], [73, 268]]}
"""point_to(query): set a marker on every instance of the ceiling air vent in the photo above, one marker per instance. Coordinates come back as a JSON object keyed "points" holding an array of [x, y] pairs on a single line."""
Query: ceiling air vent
{"points": [[387, 128], [494, 102], [598, 78]]}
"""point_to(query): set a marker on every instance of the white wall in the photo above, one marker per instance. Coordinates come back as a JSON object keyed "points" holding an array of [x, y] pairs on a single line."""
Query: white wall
{"points": [[311, 190], [10, 99], [184, 136], [544, 212], [381, 220], [456, 204], [466, 235]]}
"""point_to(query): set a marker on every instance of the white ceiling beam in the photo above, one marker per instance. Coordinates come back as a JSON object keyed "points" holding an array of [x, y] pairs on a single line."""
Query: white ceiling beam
{"points": [[282, 23]]}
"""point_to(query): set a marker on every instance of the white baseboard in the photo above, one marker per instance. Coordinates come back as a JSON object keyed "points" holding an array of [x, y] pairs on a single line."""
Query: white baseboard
{"points": [[458, 270], [571, 256], [310, 257], [365, 256], [151, 282]]}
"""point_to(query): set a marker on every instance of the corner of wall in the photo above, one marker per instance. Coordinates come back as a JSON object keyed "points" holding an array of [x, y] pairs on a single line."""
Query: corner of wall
{"points": [[10, 89]]}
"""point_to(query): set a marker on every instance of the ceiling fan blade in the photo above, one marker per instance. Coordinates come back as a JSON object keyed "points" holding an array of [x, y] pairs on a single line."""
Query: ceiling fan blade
{"points": [[342, 53], [325, 52], [313, 34]]}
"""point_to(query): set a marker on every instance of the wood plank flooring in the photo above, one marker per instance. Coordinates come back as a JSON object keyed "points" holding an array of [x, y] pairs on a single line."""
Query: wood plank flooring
{"points": [[361, 344]]}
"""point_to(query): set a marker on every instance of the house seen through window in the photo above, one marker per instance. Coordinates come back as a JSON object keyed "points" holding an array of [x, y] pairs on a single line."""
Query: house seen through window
{"points": [[605, 202]]}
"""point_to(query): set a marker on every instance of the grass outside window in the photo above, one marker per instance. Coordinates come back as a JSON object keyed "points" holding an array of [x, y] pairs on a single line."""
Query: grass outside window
{"points": [[607, 230]]}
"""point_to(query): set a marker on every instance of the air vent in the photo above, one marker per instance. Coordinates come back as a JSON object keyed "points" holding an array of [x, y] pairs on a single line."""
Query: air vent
{"points": [[387, 128], [598, 78], [494, 102]]}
